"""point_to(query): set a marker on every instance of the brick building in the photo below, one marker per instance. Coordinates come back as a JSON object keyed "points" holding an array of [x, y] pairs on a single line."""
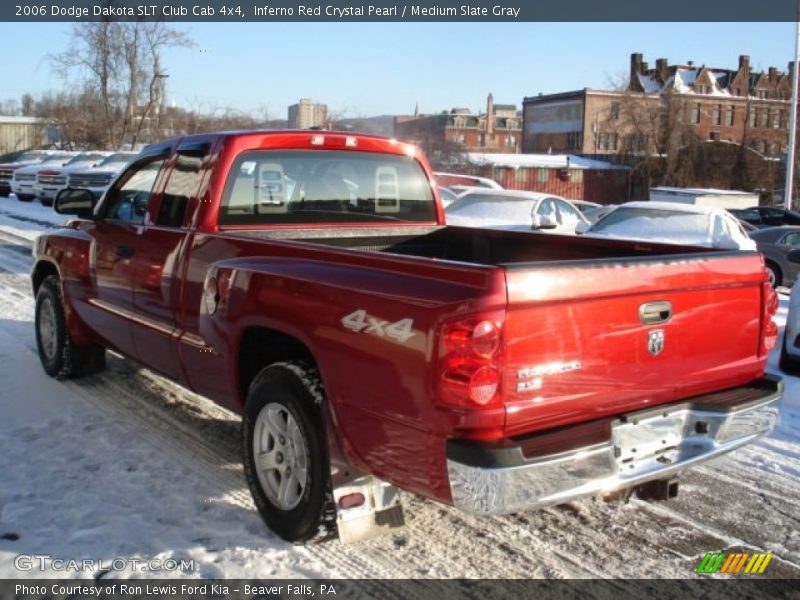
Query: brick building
{"points": [[569, 176], [499, 129], [739, 105]]}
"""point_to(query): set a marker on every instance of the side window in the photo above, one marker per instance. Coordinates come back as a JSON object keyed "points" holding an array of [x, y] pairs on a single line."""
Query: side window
{"points": [[127, 201], [791, 239], [546, 207], [182, 186], [567, 212]]}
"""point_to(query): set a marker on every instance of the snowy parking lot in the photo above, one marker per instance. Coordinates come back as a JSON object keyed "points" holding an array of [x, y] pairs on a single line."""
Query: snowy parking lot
{"points": [[128, 465]]}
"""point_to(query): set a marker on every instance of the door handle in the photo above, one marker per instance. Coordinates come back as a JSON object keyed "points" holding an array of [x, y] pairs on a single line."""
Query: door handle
{"points": [[123, 251], [652, 313]]}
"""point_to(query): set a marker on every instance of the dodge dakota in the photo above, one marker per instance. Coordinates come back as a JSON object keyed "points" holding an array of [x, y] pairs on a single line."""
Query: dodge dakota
{"points": [[308, 280]]}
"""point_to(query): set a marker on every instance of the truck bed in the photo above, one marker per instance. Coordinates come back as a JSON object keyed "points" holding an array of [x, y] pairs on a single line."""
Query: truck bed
{"points": [[477, 246]]}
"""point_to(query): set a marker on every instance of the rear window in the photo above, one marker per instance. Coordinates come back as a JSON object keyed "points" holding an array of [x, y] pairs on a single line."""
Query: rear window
{"points": [[647, 222], [322, 186]]}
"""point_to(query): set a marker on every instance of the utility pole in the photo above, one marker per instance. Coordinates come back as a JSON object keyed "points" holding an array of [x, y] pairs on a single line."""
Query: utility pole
{"points": [[789, 201]]}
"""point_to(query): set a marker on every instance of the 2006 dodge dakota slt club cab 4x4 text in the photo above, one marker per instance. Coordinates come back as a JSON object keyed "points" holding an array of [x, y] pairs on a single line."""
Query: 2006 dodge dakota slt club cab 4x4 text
{"points": [[307, 280]]}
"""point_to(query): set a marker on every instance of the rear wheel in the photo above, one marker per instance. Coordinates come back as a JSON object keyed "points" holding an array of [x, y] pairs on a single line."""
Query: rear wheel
{"points": [[285, 453], [46, 201], [59, 356], [24, 197], [788, 363], [773, 274]]}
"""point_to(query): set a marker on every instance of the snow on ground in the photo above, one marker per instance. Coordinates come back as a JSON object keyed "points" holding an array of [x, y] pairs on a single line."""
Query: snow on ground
{"points": [[27, 219], [125, 464]]}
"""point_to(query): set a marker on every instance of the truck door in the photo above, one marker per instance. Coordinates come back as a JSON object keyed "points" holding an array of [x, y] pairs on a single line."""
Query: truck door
{"points": [[114, 240], [160, 256]]}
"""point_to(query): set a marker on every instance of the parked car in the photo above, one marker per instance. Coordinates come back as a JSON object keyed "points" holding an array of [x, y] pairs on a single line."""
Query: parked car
{"points": [[775, 243], [24, 179], [672, 223], [452, 180], [7, 169], [98, 178], [790, 351], [371, 347], [51, 180], [767, 216], [514, 210]]}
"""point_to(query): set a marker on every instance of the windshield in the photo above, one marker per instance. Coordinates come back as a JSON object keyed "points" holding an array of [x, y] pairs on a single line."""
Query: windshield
{"points": [[56, 159], [654, 223], [31, 155], [120, 157], [86, 157], [314, 186]]}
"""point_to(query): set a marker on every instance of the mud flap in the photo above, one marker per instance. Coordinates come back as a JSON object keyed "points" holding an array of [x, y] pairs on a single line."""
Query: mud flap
{"points": [[366, 507]]}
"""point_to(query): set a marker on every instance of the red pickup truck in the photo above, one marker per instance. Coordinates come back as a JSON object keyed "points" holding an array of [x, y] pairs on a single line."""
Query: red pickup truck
{"points": [[307, 280]]}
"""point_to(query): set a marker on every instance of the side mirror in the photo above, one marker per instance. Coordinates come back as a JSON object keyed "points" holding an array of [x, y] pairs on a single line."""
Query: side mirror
{"points": [[581, 227], [75, 201], [793, 256], [544, 222]]}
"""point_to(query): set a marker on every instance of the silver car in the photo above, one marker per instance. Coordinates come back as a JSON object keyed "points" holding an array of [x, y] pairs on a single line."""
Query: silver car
{"points": [[775, 243]]}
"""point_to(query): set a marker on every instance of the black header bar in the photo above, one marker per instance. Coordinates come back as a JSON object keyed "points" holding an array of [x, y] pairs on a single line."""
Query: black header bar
{"points": [[415, 11]]}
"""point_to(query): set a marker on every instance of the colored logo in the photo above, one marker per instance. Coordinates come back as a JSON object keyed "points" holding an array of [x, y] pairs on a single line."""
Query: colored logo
{"points": [[734, 562]]}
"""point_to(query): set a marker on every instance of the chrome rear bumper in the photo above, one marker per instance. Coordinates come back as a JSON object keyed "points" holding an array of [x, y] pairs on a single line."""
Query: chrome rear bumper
{"points": [[642, 447]]}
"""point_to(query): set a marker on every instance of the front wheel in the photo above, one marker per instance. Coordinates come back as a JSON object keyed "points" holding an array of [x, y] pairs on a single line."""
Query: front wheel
{"points": [[285, 453], [59, 356], [24, 197]]}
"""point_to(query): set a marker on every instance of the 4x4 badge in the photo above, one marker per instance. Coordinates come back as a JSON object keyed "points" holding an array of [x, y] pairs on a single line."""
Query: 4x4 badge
{"points": [[655, 341]]}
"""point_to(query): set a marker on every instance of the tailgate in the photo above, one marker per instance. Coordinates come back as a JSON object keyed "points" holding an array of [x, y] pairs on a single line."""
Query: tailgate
{"points": [[587, 339]]}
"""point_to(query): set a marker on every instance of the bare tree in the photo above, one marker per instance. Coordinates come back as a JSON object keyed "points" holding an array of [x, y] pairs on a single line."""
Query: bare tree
{"points": [[121, 63]]}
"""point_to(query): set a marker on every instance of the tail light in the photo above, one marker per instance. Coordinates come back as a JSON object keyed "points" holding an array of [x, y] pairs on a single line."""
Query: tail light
{"points": [[470, 359], [769, 331]]}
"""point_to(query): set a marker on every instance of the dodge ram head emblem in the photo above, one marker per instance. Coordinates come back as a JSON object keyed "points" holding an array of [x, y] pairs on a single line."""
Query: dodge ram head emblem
{"points": [[655, 341]]}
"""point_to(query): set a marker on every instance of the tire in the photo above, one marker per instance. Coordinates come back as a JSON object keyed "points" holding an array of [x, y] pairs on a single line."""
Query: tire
{"points": [[774, 274], [46, 201], [788, 363], [283, 424], [24, 197], [59, 356]]}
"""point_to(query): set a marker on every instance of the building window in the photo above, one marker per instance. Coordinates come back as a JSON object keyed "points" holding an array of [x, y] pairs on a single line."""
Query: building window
{"points": [[576, 175], [613, 113], [542, 175], [520, 175], [694, 117], [777, 119], [714, 136], [511, 140], [763, 118], [701, 88], [460, 138], [716, 115], [574, 140], [760, 146], [730, 112], [751, 118], [737, 91], [762, 94]]}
